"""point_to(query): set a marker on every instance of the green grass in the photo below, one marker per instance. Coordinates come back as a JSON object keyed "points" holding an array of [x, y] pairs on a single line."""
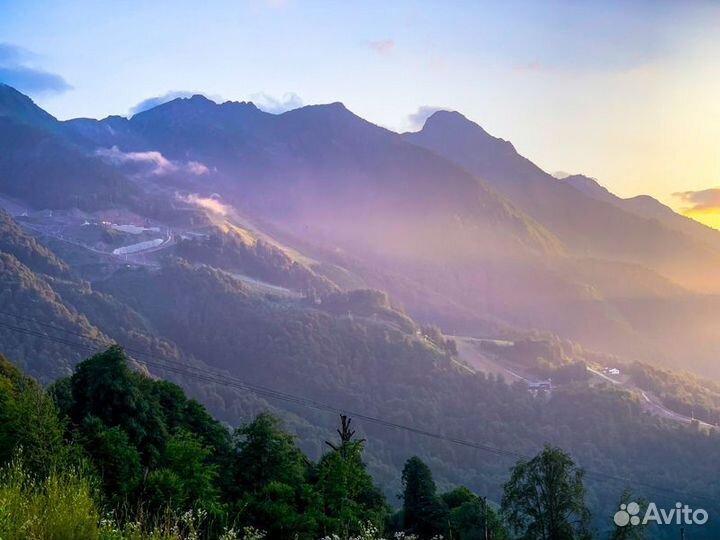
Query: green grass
{"points": [[64, 506], [60, 507]]}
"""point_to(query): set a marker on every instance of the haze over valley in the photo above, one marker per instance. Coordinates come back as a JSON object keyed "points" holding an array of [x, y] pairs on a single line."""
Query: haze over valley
{"points": [[465, 307]]}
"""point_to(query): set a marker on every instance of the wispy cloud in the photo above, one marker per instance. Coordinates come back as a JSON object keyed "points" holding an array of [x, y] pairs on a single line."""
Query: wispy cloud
{"points": [[158, 163], [212, 204], [702, 201], [17, 69], [381, 46], [149, 103], [197, 168], [417, 119], [154, 161], [271, 104]]}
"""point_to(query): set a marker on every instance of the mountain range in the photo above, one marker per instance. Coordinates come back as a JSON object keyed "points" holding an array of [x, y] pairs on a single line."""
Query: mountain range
{"points": [[416, 277], [454, 223]]}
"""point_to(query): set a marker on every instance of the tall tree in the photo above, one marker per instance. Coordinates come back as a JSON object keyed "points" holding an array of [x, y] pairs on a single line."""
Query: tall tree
{"points": [[424, 513], [545, 498], [103, 386], [349, 496], [272, 491]]}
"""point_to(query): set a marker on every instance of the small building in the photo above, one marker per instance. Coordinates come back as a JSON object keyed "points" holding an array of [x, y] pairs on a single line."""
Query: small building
{"points": [[536, 386]]}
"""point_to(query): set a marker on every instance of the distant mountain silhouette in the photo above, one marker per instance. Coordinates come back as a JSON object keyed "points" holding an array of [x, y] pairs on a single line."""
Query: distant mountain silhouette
{"points": [[586, 220], [39, 165], [20, 108], [650, 208]]}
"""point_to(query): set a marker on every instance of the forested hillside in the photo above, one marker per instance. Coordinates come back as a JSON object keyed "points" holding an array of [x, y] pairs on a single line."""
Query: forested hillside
{"points": [[325, 275], [111, 454], [351, 351]]}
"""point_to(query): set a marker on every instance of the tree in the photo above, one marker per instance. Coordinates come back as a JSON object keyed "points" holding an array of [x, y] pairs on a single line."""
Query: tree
{"points": [[271, 491], [545, 498], [265, 453], [636, 531], [103, 386], [469, 516], [185, 479], [29, 423], [350, 498], [115, 459], [424, 513]]}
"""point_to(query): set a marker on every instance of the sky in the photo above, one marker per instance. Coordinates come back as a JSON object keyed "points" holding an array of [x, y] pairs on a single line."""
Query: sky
{"points": [[627, 92]]}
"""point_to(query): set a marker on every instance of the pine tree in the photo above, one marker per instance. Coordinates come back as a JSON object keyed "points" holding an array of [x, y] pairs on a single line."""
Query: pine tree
{"points": [[424, 513], [350, 498]]}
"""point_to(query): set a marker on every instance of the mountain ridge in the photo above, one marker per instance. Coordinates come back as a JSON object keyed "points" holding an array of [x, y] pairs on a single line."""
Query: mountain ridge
{"points": [[471, 241], [650, 208], [588, 225]]}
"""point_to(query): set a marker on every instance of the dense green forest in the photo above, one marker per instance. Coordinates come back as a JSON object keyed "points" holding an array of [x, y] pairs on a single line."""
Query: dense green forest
{"points": [[353, 350], [109, 453]]}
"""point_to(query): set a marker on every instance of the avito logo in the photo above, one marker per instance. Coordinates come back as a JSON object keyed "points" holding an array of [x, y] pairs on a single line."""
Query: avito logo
{"points": [[682, 514]]}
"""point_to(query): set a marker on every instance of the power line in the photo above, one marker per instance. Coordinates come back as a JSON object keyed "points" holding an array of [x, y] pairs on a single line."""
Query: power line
{"points": [[216, 377]]}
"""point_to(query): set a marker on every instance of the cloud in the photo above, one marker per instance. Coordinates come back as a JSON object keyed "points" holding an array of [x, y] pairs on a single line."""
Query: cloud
{"points": [[160, 165], [197, 168], [212, 204], [703, 201], [417, 119], [149, 103], [157, 164], [17, 70], [271, 104], [382, 46]]}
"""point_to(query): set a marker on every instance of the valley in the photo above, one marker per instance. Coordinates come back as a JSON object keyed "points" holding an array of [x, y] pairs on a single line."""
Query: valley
{"points": [[315, 255]]}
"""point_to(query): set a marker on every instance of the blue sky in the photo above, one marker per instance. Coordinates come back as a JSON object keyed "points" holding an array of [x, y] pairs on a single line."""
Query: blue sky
{"points": [[623, 91]]}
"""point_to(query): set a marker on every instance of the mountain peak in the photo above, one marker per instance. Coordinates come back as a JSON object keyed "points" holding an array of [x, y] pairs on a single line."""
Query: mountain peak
{"points": [[590, 187], [442, 120], [649, 203], [199, 98], [445, 116], [333, 113], [19, 107], [451, 128], [239, 105], [336, 107]]}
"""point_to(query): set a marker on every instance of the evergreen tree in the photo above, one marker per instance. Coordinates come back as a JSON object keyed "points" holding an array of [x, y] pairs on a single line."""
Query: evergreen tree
{"points": [[424, 513], [350, 498]]}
